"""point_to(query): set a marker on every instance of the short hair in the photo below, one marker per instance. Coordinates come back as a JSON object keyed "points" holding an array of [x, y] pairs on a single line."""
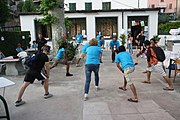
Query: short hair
{"points": [[101, 37], [93, 42], [46, 48], [153, 39], [121, 48], [147, 43], [114, 36]]}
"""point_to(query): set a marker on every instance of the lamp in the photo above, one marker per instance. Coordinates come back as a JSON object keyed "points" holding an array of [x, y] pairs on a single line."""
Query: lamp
{"points": [[2, 38]]}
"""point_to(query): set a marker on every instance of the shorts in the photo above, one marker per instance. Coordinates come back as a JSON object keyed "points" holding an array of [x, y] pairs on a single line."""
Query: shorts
{"points": [[127, 73], [31, 75], [61, 61], [158, 67]]}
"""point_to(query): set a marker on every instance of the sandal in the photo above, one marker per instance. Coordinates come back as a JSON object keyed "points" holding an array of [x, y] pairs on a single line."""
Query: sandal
{"points": [[132, 100], [168, 89], [122, 88], [146, 82], [144, 72]]}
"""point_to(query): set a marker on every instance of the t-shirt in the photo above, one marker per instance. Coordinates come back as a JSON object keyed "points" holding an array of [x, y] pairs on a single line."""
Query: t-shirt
{"points": [[114, 43], [60, 53], [125, 59], [93, 55], [19, 49], [98, 37], [79, 38], [85, 47], [39, 62]]}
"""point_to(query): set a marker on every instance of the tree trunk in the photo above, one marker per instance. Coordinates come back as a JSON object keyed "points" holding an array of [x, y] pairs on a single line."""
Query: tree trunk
{"points": [[58, 28]]}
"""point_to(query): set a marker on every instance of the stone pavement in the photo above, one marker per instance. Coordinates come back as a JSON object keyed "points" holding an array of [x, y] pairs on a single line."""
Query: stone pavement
{"points": [[109, 103]]}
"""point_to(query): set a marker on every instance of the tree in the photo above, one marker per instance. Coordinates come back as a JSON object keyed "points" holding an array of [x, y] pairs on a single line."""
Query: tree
{"points": [[53, 12], [4, 12]]}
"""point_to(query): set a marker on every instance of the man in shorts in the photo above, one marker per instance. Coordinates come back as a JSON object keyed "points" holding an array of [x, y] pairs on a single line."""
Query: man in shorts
{"points": [[154, 64], [126, 65], [35, 72]]}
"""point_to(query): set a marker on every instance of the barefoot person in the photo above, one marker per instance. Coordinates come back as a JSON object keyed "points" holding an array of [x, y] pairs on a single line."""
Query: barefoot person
{"points": [[155, 64], [125, 64], [34, 72]]}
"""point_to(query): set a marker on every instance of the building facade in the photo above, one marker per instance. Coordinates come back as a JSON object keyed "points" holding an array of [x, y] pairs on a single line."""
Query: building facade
{"points": [[169, 5], [104, 4]]}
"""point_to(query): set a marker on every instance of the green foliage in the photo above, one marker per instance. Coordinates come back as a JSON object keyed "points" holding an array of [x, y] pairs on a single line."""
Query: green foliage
{"points": [[4, 12], [67, 22], [28, 6], [20, 6], [70, 50], [11, 39], [165, 28], [157, 38], [123, 39], [46, 6], [163, 18], [48, 19]]}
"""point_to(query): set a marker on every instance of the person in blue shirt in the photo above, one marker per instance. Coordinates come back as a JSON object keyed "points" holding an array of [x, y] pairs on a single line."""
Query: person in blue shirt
{"points": [[19, 49], [98, 37], [101, 45], [79, 39], [114, 44], [92, 64], [34, 45], [125, 64], [82, 55], [62, 58]]}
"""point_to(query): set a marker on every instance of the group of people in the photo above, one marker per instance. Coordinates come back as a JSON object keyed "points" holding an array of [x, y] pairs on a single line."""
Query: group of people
{"points": [[93, 51]]}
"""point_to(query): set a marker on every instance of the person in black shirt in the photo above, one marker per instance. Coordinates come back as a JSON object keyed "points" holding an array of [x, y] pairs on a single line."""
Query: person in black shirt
{"points": [[35, 72], [40, 41]]}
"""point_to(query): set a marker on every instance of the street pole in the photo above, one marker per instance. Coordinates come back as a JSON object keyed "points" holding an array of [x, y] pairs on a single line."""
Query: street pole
{"points": [[138, 3]]}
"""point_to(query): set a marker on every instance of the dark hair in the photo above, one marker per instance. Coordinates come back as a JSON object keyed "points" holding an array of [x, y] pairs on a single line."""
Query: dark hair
{"points": [[121, 48], [46, 48], [153, 39], [147, 43], [114, 36], [101, 37]]}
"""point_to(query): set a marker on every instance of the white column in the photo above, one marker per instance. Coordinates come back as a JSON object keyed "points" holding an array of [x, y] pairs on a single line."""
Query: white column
{"points": [[90, 27], [119, 24], [153, 24]]}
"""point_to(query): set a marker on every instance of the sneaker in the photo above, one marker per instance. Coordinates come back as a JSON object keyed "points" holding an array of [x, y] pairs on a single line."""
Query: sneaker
{"points": [[136, 64], [47, 95], [85, 98], [68, 74], [101, 61], [19, 103], [97, 88]]}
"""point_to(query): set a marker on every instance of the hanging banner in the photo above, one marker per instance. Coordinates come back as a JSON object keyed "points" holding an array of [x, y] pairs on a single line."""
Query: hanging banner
{"points": [[133, 23], [142, 23]]}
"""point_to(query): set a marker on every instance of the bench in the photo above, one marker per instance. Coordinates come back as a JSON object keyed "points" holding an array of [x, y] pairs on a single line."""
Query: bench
{"points": [[13, 66]]}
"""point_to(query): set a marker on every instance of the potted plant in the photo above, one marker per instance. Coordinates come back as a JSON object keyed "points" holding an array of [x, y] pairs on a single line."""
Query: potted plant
{"points": [[123, 39], [157, 38]]}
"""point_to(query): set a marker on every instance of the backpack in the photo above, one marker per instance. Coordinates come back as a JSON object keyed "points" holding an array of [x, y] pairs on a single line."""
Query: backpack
{"points": [[159, 53], [30, 60]]}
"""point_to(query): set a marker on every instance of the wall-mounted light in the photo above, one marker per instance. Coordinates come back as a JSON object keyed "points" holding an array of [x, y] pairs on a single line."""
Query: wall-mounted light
{"points": [[23, 37], [2, 38]]}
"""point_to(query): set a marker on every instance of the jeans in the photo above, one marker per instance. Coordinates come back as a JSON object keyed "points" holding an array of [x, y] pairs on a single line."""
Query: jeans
{"points": [[130, 48], [88, 70]]}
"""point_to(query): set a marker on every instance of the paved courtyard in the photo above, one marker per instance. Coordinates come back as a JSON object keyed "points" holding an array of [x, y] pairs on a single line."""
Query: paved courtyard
{"points": [[109, 103]]}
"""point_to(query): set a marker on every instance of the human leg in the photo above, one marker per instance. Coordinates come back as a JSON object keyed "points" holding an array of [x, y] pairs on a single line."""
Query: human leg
{"points": [[22, 90], [124, 86], [67, 69], [96, 74], [129, 82], [88, 71], [148, 71], [113, 56], [55, 63]]}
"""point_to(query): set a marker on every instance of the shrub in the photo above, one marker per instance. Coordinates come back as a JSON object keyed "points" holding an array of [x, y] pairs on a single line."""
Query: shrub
{"points": [[165, 28], [123, 39]]}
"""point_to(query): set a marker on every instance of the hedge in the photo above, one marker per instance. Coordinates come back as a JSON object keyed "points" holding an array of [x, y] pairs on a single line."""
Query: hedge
{"points": [[165, 28], [11, 39]]}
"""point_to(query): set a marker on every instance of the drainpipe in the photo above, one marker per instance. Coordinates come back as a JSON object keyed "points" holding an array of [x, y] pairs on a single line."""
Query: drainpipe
{"points": [[122, 19]]}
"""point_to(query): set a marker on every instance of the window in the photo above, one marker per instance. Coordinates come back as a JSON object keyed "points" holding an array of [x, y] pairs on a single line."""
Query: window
{"points": [[153, 6], [88, 6], [170, 6], [72, 6], [162, 0], [106, 5]]}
